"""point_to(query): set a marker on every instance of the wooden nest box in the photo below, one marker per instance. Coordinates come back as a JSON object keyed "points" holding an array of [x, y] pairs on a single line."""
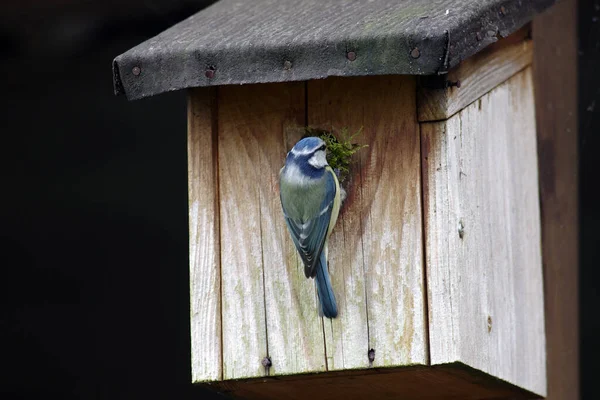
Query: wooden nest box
{"points": [[436, 257]]}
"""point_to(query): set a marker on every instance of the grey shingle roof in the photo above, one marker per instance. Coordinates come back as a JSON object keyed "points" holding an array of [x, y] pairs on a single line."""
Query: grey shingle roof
{"points": [[256, 41]]}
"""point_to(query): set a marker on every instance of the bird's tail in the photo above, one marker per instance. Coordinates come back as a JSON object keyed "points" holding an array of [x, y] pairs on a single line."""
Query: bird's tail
{"points": [[328, 305]]}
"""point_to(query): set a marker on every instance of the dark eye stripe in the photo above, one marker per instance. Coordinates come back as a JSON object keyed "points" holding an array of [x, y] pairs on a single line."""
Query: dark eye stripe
{"points": [[323, 147]]}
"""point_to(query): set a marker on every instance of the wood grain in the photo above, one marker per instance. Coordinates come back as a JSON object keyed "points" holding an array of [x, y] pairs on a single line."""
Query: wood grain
{"points": [[205, 269], [555, 77], [375, 252], [448, 382], [269, 307], [294, 328], [478, 75], [243, 312], [482, 228]]}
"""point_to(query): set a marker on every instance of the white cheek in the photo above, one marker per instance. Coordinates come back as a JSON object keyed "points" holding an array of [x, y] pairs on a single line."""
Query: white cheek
{"points": [[318, 160]]}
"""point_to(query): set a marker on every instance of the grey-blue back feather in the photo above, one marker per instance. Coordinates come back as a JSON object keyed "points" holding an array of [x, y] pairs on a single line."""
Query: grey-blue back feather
{"points": [[327, 301], [313, 230]]}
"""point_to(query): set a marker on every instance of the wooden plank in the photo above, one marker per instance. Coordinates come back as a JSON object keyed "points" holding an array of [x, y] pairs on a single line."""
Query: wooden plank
{"points": [[243, 308], [482, 229], [205, 273], [269, 308], [449, 382], [294, 328], [555, 78], [477, 76], [375, 250]]}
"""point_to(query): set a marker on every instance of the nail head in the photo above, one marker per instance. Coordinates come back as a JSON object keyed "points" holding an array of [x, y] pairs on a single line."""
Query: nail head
{"points": [[136, 71], [287, 65], [266, 362], [351, 55], [210, 73], [371, 355], [415, 53]]}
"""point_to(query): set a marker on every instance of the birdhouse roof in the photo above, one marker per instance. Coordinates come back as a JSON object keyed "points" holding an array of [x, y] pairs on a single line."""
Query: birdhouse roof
{"points": [[260, 41]]}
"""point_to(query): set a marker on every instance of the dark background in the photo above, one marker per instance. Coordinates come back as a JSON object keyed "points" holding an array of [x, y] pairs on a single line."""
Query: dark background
{"points": [[93, 223], [94, 275]]}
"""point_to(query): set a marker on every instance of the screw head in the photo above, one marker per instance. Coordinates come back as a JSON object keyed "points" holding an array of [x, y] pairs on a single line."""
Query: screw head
{"points": [[371, 355], [287, 65], [136, 71], [210, 73], [351, 55], [266, 362], [415, 53]]}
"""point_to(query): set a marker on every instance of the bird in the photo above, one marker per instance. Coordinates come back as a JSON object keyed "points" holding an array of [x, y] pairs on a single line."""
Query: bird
{"points": [[310, 198]]}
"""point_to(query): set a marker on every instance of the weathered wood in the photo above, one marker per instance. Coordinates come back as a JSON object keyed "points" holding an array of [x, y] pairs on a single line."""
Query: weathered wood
{"points": [[555, 78], [269, 307], [243, 310], [205, 269], [375, 250], [482, 228], [294, 328], [448, 382], [477, 76]]}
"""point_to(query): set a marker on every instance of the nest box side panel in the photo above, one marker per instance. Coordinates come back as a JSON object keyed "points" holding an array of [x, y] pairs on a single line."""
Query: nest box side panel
{"points": [[375, 253], [205, 273], [269, 307], [482, 235]]}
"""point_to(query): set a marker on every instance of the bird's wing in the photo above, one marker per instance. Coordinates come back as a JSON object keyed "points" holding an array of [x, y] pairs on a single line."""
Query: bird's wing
{"points": [[309, 236]]}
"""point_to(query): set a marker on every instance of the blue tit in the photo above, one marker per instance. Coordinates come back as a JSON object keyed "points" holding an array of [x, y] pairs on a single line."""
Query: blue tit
{"points": [[310, 197]]}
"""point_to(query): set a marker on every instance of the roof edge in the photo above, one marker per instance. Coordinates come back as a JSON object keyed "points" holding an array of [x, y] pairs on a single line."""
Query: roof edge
{"points": [[158, 66]]}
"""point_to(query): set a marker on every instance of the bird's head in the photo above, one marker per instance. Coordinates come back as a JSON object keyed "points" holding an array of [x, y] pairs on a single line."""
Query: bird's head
{"points": [[308, 153]]}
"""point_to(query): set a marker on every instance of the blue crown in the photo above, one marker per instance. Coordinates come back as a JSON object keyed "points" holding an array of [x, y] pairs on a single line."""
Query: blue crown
{"points": [[308, 143]]}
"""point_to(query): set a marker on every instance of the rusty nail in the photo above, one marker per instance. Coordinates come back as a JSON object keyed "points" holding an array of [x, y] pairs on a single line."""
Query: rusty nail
{"points": [[136, 71], [266, 362], [287, 65], [351, 55], [502, 11], [415, 53], [489, 324], [461, 229], [210, 73], [371, 355]]}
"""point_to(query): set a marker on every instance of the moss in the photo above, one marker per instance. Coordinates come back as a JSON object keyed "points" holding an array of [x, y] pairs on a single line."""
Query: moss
{"points": [[340, 148]]}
